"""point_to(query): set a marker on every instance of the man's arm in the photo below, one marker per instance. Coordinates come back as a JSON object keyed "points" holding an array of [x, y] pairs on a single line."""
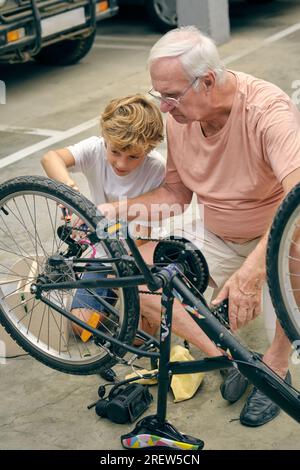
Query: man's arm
{"points": [[245, 286], [154, 205]]}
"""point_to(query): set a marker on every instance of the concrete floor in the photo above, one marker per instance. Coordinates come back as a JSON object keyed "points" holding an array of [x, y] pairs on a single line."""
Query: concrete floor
{"points": [[39, 407]]}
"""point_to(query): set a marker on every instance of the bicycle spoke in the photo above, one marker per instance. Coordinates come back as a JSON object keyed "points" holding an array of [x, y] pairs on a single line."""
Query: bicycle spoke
{"points": [[18, 289], [24, 226], [36, 236], [52, 226], [30, 313], [29, 236], [41, 325], [13, 239]]}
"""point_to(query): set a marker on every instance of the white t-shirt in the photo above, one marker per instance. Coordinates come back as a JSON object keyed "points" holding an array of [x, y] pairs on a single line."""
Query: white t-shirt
{"points": [[105, 186]]}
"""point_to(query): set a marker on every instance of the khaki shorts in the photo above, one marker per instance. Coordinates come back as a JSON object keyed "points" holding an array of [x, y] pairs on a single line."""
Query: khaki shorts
{"points": [[224, 258]]}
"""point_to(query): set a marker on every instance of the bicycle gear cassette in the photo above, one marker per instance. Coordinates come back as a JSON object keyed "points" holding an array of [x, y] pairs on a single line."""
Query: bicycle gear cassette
{"points": [[184, 252]]}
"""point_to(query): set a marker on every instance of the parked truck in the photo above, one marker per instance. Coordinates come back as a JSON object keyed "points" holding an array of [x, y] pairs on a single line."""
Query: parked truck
{"points": [[51, 32]]}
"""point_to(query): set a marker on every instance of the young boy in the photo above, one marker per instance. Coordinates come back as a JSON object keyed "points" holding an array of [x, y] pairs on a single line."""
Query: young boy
{"points": [[122, 163]]}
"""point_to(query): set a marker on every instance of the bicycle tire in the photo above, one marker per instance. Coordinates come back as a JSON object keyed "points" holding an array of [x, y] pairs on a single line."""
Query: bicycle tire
{"points": [[277, 246], [34, 188]]}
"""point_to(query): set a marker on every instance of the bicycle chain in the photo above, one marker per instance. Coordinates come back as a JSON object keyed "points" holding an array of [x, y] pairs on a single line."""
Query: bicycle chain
{"points": [[220, 311], [158, 240]]}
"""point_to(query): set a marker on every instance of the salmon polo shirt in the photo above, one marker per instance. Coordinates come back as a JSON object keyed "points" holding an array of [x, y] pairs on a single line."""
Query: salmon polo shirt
{"points": [[237, 172]]}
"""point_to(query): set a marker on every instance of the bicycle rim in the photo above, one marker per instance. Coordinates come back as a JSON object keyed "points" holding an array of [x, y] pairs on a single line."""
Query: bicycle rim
{"points": [[29, 221]]}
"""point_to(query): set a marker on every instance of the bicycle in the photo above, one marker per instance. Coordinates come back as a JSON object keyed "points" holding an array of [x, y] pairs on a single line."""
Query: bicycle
{"points": [[282, 265], [41, 264]]}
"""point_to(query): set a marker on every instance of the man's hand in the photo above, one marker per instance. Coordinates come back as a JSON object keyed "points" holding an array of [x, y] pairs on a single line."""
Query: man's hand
{"points": [[244, 290]]}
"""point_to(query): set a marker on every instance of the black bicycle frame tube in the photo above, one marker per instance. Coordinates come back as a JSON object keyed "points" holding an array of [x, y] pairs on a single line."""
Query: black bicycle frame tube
{"points": [[250, 366], [128, 281], [95, 332], [153, 282], [167, 300], [247, 362]]}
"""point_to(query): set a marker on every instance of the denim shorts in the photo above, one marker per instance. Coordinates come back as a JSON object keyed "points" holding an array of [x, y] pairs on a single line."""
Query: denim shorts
{"points": [[86, 299]]}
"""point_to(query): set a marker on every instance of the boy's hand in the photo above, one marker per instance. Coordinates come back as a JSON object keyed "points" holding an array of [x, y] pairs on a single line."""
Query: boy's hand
{"points": [[72, 185], [77, 225], [66, 215]]}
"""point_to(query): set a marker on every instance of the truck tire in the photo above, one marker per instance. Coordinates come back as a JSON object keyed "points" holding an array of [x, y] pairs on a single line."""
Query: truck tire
{"points": [[162, 14], [67, 52]]}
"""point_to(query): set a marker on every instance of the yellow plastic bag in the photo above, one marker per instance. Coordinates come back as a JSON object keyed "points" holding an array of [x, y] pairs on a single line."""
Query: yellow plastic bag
{"points": [[184, 386]]}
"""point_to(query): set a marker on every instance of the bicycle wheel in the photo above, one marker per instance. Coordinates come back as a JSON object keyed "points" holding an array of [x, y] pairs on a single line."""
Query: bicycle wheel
{"points": [[283, 264], [32, 231]]}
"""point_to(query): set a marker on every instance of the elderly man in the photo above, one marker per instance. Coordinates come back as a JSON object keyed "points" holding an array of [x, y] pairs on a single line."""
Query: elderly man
{"points": [[234, 140]]}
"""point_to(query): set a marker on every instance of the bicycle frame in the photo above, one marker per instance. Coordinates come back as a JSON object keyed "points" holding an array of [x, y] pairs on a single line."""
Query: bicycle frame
{"points": [[169, 279]]}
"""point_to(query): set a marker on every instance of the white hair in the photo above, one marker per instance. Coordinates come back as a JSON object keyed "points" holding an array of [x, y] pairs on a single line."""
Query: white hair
{"points": [[197, 52]]}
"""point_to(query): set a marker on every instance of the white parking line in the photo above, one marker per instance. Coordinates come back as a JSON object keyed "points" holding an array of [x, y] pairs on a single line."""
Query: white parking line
{"points": [[92, 122], [282, 34], [269, 40], [30, 130], [15, 157]]}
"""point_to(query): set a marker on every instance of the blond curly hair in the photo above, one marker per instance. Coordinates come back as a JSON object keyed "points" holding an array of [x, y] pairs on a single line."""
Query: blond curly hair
{"points": [[132, 123]]}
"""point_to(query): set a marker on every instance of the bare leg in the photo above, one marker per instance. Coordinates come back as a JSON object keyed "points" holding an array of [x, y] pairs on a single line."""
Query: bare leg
{"points": [[183, 325], [277, 355]]}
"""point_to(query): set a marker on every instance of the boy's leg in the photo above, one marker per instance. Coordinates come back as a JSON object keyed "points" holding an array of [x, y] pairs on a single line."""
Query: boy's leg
{"points": [[85, 303]]}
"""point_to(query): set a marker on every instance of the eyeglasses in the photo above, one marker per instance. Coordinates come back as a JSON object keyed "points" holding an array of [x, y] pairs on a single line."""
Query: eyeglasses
{"points": [[174, 102]]}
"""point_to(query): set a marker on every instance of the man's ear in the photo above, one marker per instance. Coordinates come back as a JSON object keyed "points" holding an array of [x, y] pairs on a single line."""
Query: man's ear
{"points": [[209, 82]]}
